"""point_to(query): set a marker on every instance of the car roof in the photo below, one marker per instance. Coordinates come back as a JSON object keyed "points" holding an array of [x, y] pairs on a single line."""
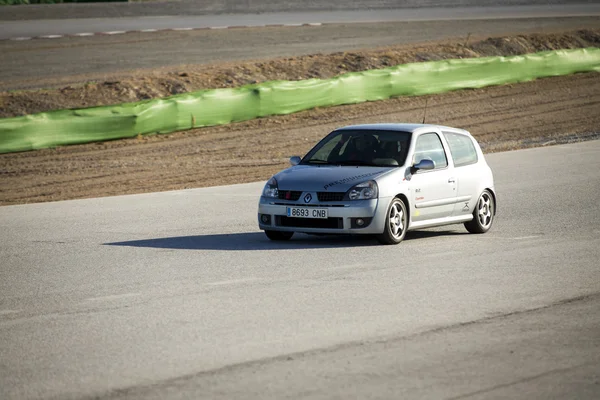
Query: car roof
{"points": [[401, 127]]}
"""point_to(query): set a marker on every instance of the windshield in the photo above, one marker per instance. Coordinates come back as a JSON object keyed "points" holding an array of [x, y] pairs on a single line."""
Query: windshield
{"points": [[360, 147]]}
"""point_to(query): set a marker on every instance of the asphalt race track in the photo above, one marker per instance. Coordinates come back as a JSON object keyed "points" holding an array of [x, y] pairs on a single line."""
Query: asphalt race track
{"points": [[177, 295], [28, 28]]}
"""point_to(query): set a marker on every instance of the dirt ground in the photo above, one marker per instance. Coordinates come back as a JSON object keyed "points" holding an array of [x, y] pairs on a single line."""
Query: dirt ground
{"points": [[542, 112]]}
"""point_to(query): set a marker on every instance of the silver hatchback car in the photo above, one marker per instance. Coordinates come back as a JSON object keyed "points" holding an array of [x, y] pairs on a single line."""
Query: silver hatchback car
{"points": [[381, 180]]}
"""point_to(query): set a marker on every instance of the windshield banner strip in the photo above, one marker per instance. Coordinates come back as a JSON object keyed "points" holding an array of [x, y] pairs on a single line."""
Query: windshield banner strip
{"points": [[352, 178]]}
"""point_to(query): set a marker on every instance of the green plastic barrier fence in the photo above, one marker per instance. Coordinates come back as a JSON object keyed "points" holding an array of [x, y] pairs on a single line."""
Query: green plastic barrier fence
{"points": [[222, 106]]}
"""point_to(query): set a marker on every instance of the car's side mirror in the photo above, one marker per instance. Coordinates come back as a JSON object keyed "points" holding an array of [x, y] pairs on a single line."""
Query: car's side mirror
{"points": [[424, 164], [295, 160]]}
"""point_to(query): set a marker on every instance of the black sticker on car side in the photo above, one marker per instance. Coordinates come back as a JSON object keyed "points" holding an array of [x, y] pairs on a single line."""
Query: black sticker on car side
{"points": [[351, 178]]}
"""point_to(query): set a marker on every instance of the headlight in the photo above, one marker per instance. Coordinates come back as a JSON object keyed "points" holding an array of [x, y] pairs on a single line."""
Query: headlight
{"points": [[363, 191], [271, 189]]}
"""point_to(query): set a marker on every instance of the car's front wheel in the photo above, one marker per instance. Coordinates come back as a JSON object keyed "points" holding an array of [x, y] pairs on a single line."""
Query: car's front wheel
{"points": [[483, 215], [396, 223], [278, 235]]}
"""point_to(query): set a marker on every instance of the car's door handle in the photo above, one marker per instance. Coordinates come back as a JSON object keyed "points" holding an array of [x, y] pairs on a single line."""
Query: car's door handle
{"points": [[451, 180]]}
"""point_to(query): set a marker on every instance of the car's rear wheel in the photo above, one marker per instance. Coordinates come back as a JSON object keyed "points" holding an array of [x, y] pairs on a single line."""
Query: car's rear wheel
{"points": [[278, 235], [483, 215], [396, 223]]}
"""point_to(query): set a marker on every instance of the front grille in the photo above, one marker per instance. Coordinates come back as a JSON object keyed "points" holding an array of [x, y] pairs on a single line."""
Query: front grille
{"points": [[311, 205], [292, 195], [324, 197], [329, 223], [330, 196]]}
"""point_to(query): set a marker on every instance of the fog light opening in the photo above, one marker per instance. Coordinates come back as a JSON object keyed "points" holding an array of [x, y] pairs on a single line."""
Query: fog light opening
{"points": [[265, 219], [360, 221]]}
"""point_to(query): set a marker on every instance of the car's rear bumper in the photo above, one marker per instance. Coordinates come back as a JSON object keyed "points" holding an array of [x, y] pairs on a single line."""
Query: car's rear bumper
{"points": [[342, 217]]}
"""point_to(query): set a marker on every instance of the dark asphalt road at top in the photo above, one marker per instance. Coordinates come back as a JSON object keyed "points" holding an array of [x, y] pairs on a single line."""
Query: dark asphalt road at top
{"points": [[212, 7], [59, 62], [33, 28]]}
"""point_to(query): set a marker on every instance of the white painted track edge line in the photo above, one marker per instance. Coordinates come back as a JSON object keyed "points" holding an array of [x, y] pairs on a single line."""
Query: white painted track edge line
{"points": [[148, 30]]}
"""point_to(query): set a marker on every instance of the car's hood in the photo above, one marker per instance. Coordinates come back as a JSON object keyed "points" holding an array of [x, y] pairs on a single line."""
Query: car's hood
{"points": [[326, 178]]}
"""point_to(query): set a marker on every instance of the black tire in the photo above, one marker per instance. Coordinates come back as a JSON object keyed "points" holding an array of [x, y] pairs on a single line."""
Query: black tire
{"points": [[396, 223], [279, 235], [483, 215]]}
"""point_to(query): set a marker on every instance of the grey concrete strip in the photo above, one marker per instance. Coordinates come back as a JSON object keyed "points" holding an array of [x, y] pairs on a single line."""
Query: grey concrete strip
{"points": [[106, 294]]}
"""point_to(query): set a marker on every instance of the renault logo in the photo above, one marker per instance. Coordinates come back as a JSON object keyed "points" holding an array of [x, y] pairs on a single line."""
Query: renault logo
{"points": [[307, 198]]}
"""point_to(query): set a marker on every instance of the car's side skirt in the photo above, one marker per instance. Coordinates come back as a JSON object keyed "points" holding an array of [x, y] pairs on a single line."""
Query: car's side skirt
{"points": [[440, 221], [442, 202], [436, 203]]}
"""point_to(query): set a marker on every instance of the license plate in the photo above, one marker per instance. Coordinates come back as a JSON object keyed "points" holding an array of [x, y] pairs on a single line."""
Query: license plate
{"points": [[306, 212]]}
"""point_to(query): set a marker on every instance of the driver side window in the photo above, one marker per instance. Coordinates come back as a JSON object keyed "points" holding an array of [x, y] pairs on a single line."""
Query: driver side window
{"points": [[330, 151], [429, 147]]}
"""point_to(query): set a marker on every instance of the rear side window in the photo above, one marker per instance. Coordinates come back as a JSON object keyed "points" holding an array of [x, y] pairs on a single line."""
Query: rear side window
{"points": [[429, 147], [462, 149]]}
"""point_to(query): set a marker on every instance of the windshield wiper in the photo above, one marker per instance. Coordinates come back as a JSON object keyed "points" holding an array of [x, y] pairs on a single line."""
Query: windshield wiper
{"points": [[357, 163], [317, 161]]}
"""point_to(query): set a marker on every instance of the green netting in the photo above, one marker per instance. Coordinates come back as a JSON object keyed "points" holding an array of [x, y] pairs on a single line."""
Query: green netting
{"points": [[222, 106]]}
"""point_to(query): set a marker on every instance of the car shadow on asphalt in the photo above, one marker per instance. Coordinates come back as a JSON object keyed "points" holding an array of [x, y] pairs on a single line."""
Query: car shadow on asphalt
{"points": [[258, 241]]}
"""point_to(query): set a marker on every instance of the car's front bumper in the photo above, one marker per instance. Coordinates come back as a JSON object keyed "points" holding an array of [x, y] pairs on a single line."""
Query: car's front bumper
{"points": [[342, 217]]}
